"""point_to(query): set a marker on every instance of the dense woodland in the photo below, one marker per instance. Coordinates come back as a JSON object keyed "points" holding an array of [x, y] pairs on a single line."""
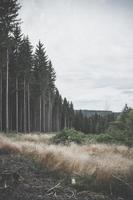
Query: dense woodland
{"points": [[29, 98], [93, 124]]}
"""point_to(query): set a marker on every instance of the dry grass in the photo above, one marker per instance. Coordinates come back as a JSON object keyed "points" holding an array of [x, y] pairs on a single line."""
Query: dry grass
{"points": [[101, 149], [104, 162], [37, 138]]}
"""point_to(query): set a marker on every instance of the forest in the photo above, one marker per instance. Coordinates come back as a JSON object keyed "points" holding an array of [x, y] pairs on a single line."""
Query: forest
{"points": [[29, 98], [58, 152]]}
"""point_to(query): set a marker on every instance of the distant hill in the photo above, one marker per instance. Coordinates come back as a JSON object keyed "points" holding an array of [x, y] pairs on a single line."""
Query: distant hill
{"points": [[89, 113]]}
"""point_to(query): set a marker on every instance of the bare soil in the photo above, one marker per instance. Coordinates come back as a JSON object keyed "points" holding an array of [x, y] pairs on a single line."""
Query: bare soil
{"points": [[23, 179]]}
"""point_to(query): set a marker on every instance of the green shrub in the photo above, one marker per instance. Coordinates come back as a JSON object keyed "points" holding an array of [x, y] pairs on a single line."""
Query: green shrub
{"points": [[69, 135], [117, 137], [120, 131], [104, 138]]}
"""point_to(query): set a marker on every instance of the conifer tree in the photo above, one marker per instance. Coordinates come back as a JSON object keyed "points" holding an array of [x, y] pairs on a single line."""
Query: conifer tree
{"points": [[2, 56], [50, 90], [57, 111], [8, 19], [71, 115], [25, 63], [15, 69], [41, 77], [65, 113]]}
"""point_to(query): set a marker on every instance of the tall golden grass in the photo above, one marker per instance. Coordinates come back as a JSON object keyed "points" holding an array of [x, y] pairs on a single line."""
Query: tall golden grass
{"points": [[99, 160], [37, 138]]}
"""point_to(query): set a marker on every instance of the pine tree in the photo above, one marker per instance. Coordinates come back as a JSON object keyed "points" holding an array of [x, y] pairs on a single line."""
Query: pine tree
{"points": [[71, 115], [15, 73], [29, 100], [8, 19], [25, 62], [65, 113], [41, 81], [1, 78], [50, 91], [57, 111]]}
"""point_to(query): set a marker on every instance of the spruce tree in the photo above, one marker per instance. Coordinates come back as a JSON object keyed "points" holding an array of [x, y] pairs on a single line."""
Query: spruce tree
{"points": [[57, 111], [8, 19], [25, 62], [14, 70], [17, 41], [50, 91], [41, 82], [29, 100], [65, 113], [71, 115]]}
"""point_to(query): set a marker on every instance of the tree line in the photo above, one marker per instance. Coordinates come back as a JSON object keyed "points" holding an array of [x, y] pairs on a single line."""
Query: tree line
{"points": [[94, 124], [29, 98]]}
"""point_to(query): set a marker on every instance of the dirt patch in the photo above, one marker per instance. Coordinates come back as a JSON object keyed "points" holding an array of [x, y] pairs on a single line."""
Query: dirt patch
{"points": [[23, 179]]}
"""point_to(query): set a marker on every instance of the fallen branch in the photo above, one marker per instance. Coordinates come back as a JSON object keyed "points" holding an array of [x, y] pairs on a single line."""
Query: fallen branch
{"points": [[121, 180], [56, 186]]}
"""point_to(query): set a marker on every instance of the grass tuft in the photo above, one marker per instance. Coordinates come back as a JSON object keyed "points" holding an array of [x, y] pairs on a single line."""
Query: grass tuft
{"points": [[99, 165]]}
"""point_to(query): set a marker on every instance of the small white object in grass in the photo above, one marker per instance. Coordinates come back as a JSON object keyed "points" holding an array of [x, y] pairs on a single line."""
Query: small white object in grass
{"points": [[73, 181], [5, 186]]}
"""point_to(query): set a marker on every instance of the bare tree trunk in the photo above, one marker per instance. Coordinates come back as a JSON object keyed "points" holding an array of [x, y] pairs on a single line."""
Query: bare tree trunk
{"points": [[16, 104], [11, 120], [65, 122], [57, 121], [21, 118], [49, 113], [1, 101], [7, 87], [51, 124], [40, 114], [24, 106], [35, 122], [28, 108], [44, 116]]}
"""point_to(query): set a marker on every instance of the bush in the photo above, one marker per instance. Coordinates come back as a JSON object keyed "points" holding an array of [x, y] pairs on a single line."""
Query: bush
{"points": [[104, 138], [120, 131], [69, 135], [124, 122], [117, 138]]}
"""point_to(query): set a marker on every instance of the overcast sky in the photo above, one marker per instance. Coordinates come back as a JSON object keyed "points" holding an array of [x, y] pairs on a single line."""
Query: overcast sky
{"points": [[90, 43]]}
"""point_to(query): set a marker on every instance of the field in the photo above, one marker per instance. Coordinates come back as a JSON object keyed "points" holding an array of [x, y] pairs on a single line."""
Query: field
{"points": [[101, 168]]}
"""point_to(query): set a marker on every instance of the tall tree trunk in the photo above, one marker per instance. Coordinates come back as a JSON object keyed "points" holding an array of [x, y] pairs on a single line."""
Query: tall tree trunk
{"points": [[49, 113], [24, 105], [44, 115], [21, 118], [57, 120], [16, 104], [40, 112], [7, 87], [51, 122], [10, 114], [28, 107], [1, 101], [35, 122], [65, 121]]}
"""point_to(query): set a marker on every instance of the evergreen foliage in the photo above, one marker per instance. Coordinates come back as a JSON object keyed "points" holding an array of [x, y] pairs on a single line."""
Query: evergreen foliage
{"points": [[29, 99], [95, 124], [69, 135]]}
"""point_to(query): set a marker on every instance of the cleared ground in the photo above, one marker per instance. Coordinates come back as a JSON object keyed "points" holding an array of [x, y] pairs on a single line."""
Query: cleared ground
{"points": [[99, 167]]}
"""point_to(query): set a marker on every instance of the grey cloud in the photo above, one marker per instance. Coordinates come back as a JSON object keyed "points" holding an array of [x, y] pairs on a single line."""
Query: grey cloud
{"points": [[129, 92], [118, 83], [90, 44]]}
